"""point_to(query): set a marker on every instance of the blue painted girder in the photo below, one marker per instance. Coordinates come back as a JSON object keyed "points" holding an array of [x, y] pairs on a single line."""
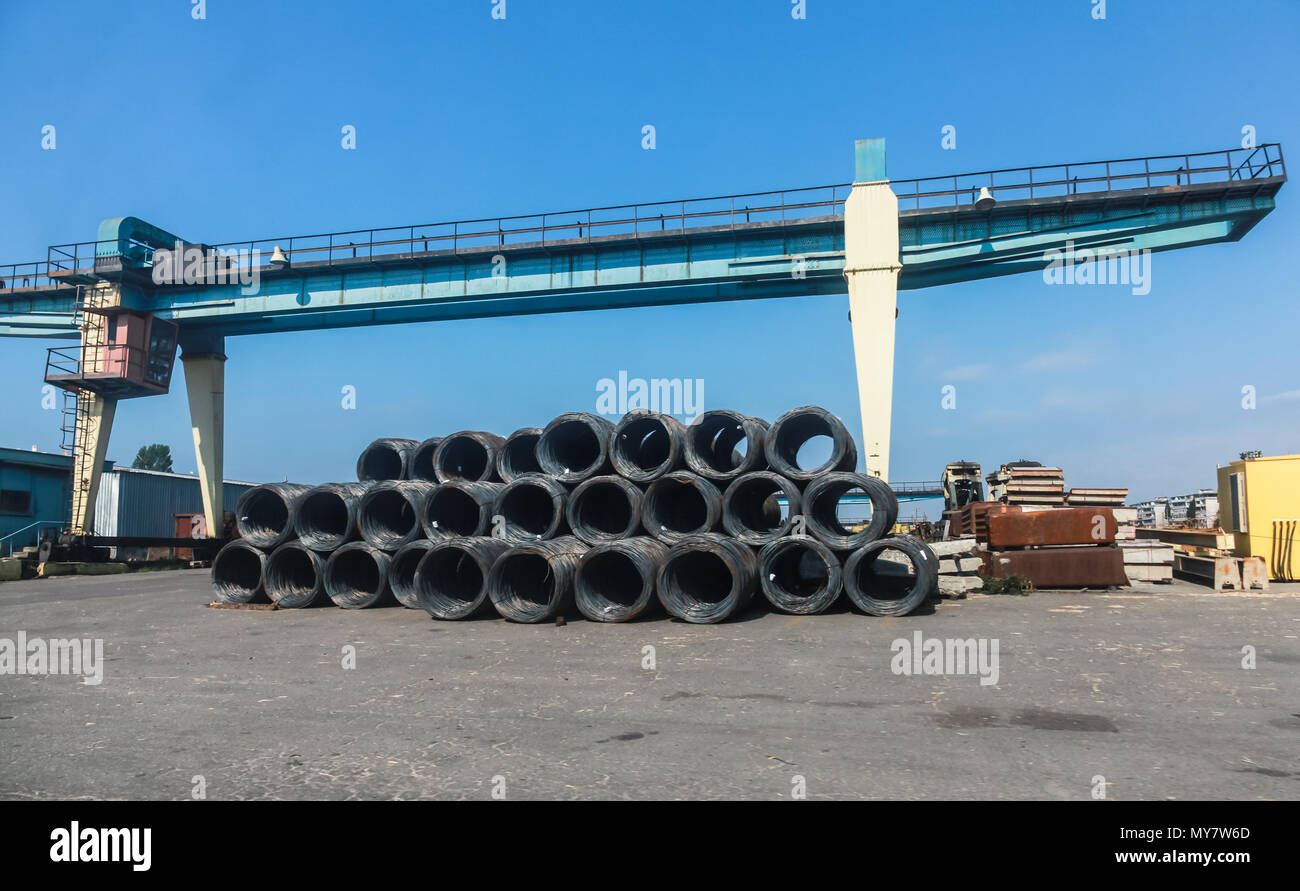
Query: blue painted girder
{"points": [[939, 249], [38, 314], [747, 261]]}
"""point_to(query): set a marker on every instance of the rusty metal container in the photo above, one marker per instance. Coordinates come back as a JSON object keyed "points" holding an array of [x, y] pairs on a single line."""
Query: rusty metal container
{"points": [[1083, 567], [1068, 526]]}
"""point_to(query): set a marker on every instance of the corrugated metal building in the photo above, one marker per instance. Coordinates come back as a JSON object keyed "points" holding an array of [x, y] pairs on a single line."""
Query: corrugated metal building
{"points": [[33, 496], [140, 503]]}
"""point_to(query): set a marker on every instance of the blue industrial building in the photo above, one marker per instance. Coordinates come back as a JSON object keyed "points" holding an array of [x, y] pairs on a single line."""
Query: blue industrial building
{"points": [[33, 496], [132, 504]]}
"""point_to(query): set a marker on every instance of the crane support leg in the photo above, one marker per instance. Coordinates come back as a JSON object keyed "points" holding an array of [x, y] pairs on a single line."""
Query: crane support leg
{"points": [[94, 425], [205, 385], [871, 266]]}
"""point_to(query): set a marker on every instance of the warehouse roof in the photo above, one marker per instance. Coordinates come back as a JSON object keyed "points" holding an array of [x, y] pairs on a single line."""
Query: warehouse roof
{"points": [[40, 459], [183, 476]]}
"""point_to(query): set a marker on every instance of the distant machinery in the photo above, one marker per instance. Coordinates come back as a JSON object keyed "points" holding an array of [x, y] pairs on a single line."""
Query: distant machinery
{"points": [[962, 484]]}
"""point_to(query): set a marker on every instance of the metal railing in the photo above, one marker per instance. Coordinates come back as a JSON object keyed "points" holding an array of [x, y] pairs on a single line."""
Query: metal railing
{"points": [[1092, 177], [63, 362], [71, 257], [727, 211], [77, 257], [107, 361], [929, 489], [556, 228], [33, 274], [12, 535]]}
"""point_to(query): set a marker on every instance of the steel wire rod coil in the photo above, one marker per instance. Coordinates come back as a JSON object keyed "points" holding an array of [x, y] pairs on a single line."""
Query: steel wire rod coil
{"points": [[401, 572], [799, 575], [796, 428], [713, 445], [467, 455], [532, 508], [751, 510], [519, 454], [264, 515], [680, 504], [534, 582], [575, 446], [326, 517], [647, 444], [294, 576], [458, 508], [237, 572], [421, 466], [604, 508], [707, 578], [388, 515], [386, 459], [880, 586], [615, 581], [452, 577], [821, 505], [356, 576]]}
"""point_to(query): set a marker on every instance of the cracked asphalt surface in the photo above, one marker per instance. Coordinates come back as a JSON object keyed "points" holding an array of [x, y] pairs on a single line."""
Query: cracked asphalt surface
{"points": [[1142, 688]]}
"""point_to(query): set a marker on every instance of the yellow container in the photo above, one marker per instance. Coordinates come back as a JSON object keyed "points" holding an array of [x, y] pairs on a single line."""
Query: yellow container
{"points": [[1259, 502]]}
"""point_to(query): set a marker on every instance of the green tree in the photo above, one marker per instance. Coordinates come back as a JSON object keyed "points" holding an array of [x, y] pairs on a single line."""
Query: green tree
{"points": [[153, 457]]}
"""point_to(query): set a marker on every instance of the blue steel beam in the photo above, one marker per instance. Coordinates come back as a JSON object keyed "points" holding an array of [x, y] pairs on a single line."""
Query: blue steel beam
{"points": [[705, 263], [1017, 236]]}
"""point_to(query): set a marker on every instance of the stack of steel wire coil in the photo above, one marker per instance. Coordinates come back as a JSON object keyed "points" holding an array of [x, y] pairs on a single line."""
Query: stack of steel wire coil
{"points": [[613, 521]]}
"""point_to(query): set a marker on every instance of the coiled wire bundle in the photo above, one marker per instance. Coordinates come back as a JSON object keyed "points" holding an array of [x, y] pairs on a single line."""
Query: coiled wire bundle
{"points": [[799, 575], [458, 508], [604, 508], [294, 576], [616, 579], [401, 572], [608, 519], [793, 430], [519, 454], [647, 444], [714, 445], [467, 455], [452, 578], [751, 507], [237, 573], [822, 498], [388, 515], [707, 578], [326, 517], [531, 583], [421, 466], [881, 585], [356, 576], [386, 459], [532, 508], [680, 503], [264, 514], [575, 446]]}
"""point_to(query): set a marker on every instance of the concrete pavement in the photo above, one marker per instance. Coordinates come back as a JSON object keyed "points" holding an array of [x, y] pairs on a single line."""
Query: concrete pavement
{"points": [[1143, 689]]}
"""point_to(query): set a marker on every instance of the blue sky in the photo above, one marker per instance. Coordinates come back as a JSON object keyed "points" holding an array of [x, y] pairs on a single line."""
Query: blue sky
{"points": [[229, 128]]}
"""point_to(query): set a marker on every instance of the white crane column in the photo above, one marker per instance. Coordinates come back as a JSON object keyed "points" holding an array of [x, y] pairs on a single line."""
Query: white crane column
{"points": [[205, 385], [871, 266]]}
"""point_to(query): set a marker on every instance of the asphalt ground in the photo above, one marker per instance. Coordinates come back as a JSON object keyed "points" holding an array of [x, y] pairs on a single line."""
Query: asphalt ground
{"points": [[1140, 694]]}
